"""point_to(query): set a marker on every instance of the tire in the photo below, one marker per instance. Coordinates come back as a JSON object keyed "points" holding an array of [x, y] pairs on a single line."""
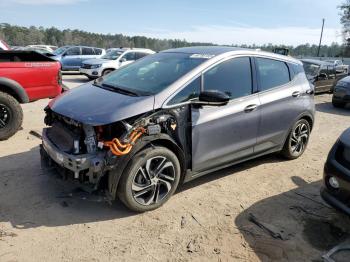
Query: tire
{"points": [[107, 71], [146, 191], [11, 116], [297, 140], [338, 104]]}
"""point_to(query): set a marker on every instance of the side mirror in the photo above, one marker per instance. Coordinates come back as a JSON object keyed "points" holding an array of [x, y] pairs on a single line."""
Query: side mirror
{"points": [[213, 98], [122, 60]]}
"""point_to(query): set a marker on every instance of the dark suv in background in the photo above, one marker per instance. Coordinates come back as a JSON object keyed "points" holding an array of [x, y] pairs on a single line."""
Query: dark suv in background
{"points": [[72, 57], [177, 115]]}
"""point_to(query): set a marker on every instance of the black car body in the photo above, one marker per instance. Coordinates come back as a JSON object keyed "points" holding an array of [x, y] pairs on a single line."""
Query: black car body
{"points": [[336, 188], [341, 94], [323, 75]]}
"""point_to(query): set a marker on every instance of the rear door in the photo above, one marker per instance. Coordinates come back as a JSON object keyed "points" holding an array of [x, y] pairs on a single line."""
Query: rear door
{"points": [[221, 135], [87, 53], [281, 102], [72, 58]]}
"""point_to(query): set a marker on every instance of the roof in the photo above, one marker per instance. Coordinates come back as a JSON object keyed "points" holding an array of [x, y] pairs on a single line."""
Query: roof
{"points": [[207, 50], [213, 51]]}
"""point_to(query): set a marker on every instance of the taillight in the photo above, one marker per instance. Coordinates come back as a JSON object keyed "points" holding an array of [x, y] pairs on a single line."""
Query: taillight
{"points": [[59, 78]]}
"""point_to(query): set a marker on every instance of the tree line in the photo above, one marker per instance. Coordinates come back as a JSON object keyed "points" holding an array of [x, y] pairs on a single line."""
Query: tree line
{"points": [[22, 36]]}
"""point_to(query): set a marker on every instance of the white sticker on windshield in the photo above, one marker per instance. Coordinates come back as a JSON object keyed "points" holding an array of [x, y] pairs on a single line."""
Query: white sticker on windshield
{"points": [[205, 56]]}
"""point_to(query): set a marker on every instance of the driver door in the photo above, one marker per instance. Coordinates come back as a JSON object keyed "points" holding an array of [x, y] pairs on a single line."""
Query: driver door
{"points": [[224, 134]]}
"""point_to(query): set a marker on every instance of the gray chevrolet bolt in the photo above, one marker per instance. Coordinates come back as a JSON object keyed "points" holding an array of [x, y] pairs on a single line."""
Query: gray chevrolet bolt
{"points": [[171, 117]]}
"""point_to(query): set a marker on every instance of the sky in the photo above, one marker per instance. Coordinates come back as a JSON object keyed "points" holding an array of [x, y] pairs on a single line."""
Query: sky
{"points": [[289, 22]]}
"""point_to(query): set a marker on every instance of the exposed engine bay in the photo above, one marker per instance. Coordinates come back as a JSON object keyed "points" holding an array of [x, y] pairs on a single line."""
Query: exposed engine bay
{"points": [[96, 155]]}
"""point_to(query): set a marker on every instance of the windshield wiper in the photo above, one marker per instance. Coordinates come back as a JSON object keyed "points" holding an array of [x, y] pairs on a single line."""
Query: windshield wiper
{"points": [[118, 89]]}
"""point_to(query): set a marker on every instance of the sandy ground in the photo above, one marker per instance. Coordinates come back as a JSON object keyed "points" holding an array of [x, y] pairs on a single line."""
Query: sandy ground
{"points": [[207, 220]]}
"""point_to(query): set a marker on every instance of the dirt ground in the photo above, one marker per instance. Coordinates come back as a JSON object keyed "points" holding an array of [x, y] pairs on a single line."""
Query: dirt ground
{"points": [[45, 219]]}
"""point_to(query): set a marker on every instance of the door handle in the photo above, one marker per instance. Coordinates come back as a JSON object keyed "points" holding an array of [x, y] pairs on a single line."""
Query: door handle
{"points": [[250, 108], [296, 94]]}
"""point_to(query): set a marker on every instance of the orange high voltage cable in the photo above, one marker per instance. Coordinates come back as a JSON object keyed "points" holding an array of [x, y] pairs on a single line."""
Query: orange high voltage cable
{"points": [[120, 149]]}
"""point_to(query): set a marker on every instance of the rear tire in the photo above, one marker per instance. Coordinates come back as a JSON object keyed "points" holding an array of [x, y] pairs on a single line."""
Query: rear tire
{"points": [[338, 104], [11, 116], [150, 179], [297, 140]]}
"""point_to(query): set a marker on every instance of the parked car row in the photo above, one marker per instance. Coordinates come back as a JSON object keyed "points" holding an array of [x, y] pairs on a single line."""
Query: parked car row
{"points": [[114, 59]]}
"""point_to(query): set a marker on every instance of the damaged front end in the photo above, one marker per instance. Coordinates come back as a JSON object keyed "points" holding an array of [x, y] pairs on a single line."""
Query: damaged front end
{"points": [[95, 156]]}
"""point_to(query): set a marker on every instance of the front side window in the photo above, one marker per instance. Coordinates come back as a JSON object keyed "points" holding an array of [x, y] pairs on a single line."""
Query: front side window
{"points": [[272, 73], [130, 56], [233, 77], [73, 51], [191, 91], [153, 73], [139, 55]]}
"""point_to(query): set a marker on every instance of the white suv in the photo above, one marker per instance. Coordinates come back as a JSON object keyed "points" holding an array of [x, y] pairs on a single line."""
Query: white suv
{"points": [[114, 59]]}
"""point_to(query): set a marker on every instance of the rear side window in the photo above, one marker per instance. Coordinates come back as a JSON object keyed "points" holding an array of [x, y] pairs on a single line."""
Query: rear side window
{"points": [[272, 73], [98, 51], [87, 51], [73, 51], [140, 55], [189, 92], [233, 77]]}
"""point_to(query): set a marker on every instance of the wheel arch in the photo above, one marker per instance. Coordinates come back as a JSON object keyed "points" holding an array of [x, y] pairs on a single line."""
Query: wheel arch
{"points": [[147, 142], [108, 68], [14, 89]]}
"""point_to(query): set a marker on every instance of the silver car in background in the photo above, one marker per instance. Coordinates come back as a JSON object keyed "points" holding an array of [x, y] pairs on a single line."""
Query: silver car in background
{"points": [[177, 115]]}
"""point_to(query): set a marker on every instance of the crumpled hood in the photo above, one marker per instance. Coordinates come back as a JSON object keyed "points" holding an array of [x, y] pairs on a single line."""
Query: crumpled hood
{"points": [[96, 61], [95, 106], [345, 138]]}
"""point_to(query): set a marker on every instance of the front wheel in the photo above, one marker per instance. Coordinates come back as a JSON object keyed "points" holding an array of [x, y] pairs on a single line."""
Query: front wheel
{"points": [[150, 179], [11, 116], [297, 140]]}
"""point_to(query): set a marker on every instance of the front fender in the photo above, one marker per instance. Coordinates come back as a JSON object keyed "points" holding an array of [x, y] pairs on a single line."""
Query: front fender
{"points": [[120, 163]]}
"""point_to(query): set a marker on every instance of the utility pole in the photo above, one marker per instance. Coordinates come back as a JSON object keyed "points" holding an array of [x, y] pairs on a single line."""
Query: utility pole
{"points": [[319, 46]]}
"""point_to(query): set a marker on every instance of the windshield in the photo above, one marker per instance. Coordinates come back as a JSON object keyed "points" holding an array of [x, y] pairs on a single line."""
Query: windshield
{"points": [[113, 54], [154, 73], [311, 69], [60, 50]]}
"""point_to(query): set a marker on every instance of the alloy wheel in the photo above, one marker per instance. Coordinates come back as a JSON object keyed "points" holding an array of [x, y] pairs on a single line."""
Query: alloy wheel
{"points": [[153, 181], [5, 114], [299, 138]]}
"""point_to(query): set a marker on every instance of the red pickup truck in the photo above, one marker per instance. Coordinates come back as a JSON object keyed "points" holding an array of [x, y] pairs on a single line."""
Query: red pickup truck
{"points": [[24, 77]]}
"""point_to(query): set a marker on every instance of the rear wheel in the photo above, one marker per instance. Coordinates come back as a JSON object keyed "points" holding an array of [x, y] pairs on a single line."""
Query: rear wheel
{"points": [[11, 116], [150, 179], [297, 140]]}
